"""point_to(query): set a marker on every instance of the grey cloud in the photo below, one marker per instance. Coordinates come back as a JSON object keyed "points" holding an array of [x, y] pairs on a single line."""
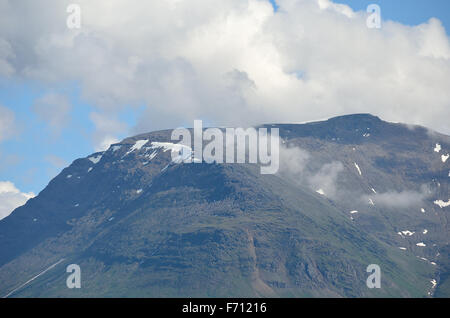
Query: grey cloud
{"points": [[399, 199], [326, 178], [232, 62]]}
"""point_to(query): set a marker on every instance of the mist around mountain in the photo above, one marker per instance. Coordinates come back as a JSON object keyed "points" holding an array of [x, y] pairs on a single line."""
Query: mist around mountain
{"points": [[351, 191]]}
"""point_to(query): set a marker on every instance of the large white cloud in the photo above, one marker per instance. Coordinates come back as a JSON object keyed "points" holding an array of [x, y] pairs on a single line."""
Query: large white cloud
{"points": [[11, 198], [231, 62]]}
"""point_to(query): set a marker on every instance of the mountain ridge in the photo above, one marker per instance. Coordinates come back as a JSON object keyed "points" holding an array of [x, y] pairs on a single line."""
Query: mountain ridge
{"points": [[236, 221]]}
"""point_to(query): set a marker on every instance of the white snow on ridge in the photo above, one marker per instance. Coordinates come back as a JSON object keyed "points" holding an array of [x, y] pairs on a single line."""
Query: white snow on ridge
{"points": [[373, 190], [444, 158], [184, 152], [320, 191], [152, 155], [357, 167], [95, 159], [425, 231], [442, 204], [421, 244], [116, 147], [437, 148], [137, 146], [353, 212], [402, 248]]}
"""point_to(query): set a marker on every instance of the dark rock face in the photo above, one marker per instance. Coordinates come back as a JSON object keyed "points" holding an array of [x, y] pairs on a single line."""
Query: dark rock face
{"points": [[139, 226]]}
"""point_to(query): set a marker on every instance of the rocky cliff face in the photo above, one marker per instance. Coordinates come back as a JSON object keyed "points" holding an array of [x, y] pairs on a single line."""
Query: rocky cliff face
{"points": [[351, 191]]}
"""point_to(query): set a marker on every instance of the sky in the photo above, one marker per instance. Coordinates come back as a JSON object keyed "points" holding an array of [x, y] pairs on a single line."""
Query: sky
{"points": [[134, 67]]}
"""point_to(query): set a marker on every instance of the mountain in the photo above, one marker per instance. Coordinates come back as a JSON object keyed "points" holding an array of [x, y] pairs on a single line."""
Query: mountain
{"points": [[351, 191]]}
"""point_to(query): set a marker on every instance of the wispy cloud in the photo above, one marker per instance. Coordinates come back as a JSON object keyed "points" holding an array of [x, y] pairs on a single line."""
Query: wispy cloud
{"points": [[53, 109], [296, 164], [399, 199], [7, 123]]}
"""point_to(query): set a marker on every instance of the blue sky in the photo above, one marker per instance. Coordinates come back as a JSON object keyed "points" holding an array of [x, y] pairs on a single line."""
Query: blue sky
{"points": [[35, 154]]}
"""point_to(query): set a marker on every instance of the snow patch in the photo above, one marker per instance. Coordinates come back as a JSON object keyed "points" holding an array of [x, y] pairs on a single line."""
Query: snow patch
{"points": [[320, 191], [371, 202], [421, 244], [138, 191], [69, 176], [184, 153], [406, 233], [353, 212], [115, 148], [137, 146], [437, 148], [402, 248], [95, 159], [445, 157], [442, 204], [90, 169], [165, 168], [425, 231], [152, 155], [357, 168], [373, 190], [422, 210]]}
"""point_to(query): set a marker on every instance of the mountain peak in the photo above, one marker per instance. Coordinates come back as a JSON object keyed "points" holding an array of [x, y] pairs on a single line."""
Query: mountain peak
{"points": [[352, 117]]}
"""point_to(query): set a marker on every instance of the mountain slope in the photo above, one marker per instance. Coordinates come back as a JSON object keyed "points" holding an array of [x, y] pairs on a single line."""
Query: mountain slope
{"points": [[140, 226]]}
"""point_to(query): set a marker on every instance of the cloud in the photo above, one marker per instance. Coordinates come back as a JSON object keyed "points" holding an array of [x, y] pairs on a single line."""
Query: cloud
{"points": [[56, 163], [402, 199], [6, 68], [297, 165], [7, 161], [233, 62], [11, 198], [54, 110], [293, 160], [7, 123], [325, 179], [107, 128]]}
